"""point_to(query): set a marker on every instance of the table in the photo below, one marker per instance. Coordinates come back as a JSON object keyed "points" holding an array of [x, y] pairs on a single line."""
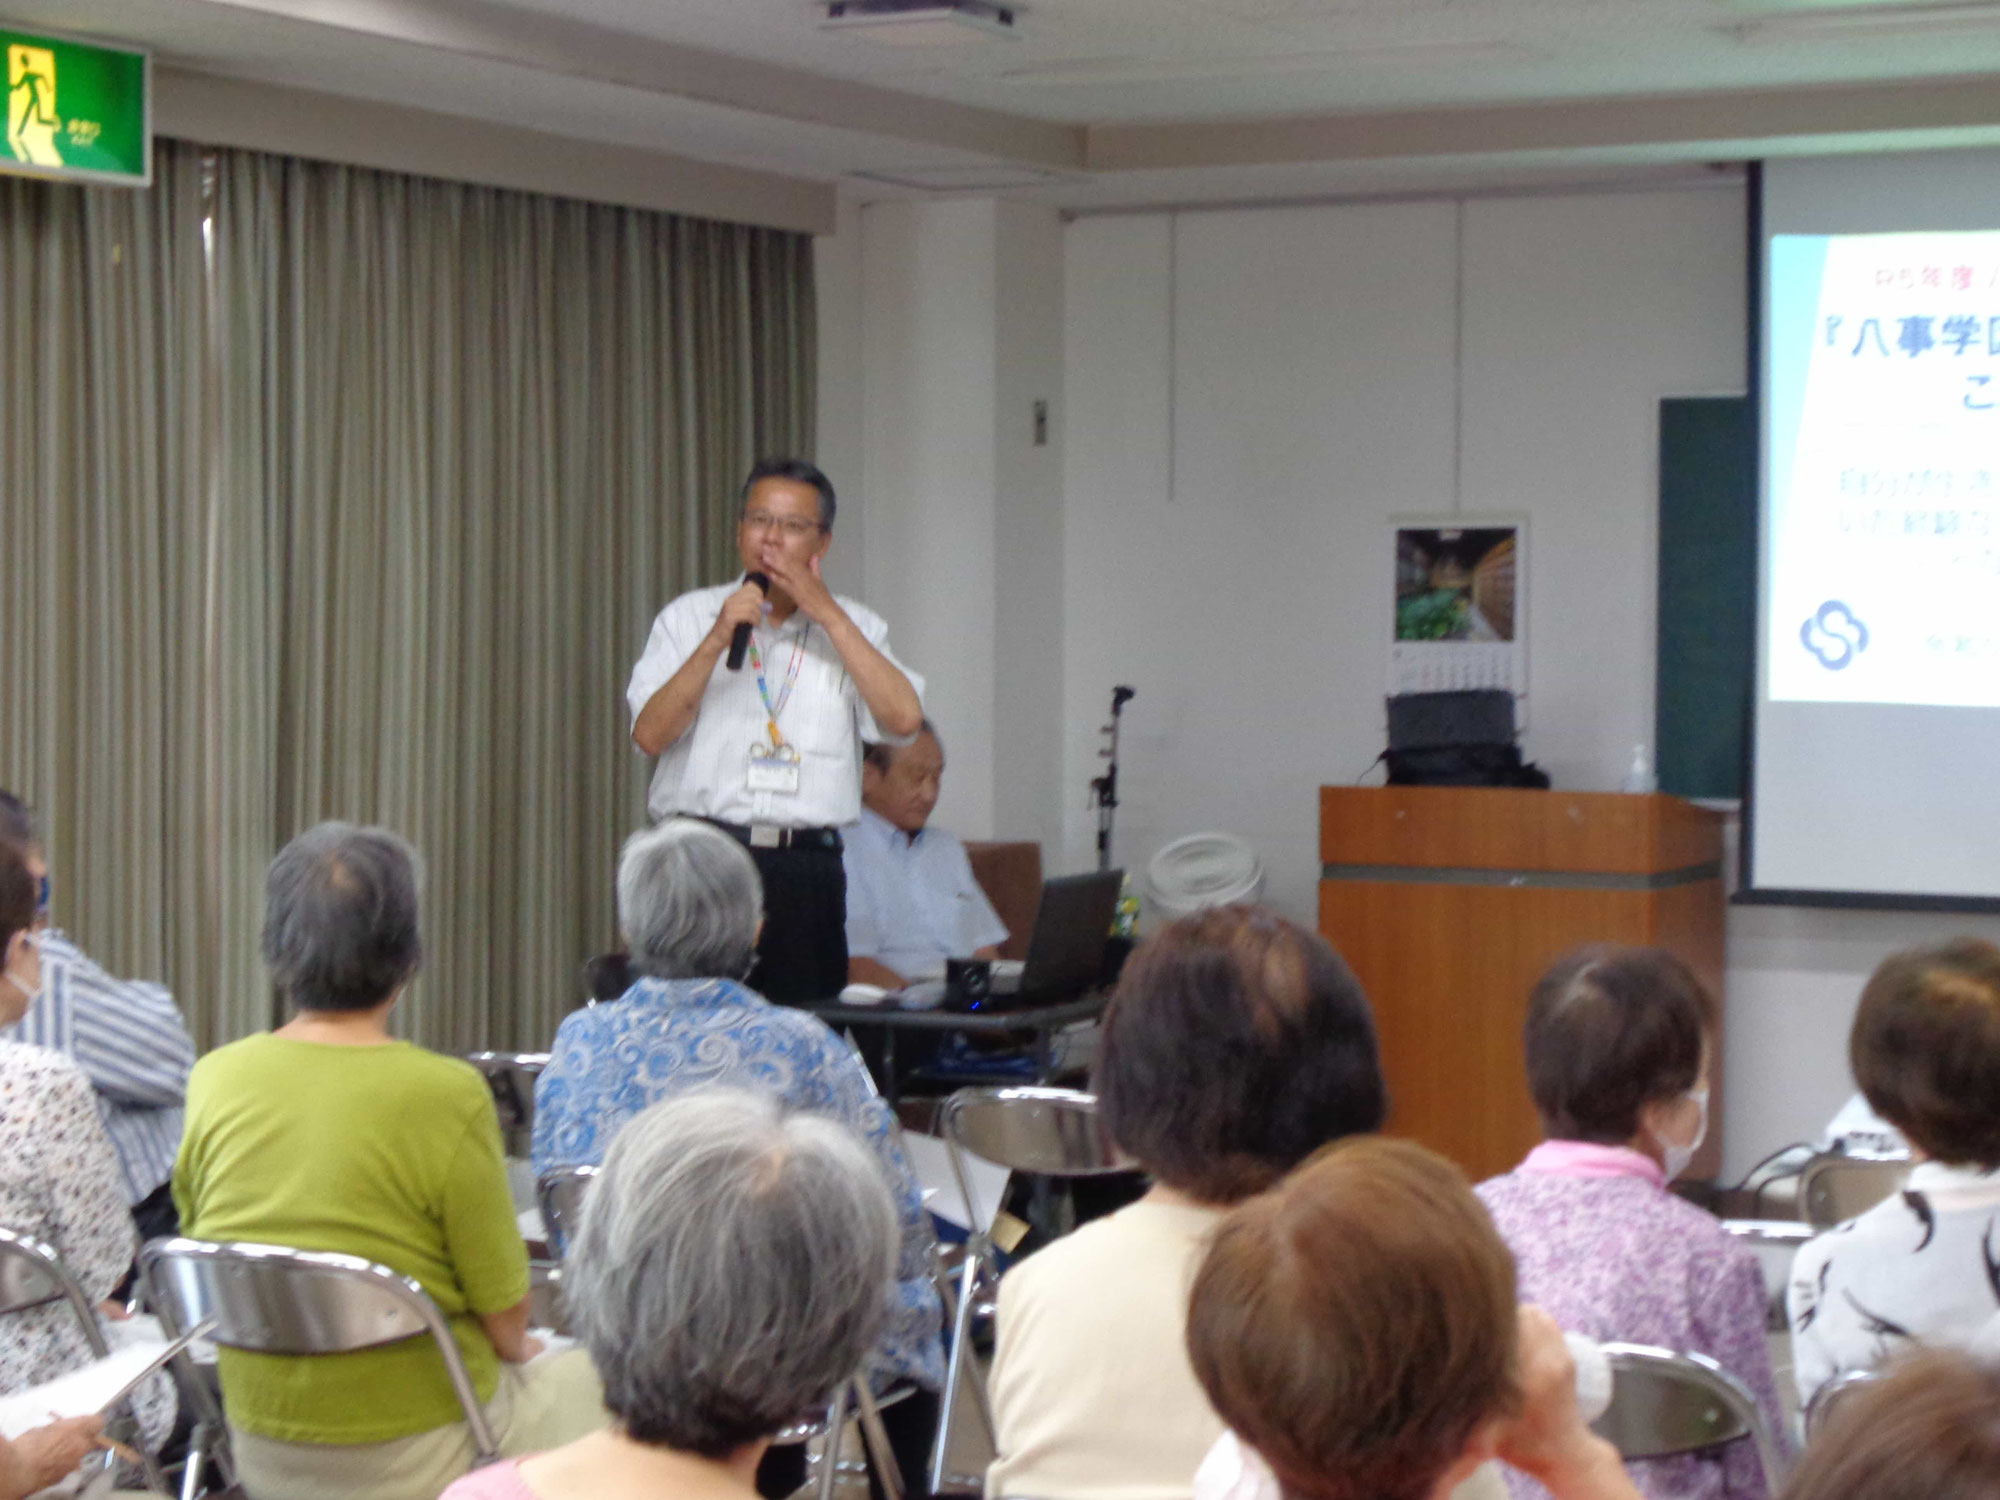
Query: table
{"points": [[1042, 1021]]}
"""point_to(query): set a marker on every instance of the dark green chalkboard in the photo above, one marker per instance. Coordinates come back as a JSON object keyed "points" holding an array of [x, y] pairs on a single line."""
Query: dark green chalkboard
{"points": [[1706, 650]]}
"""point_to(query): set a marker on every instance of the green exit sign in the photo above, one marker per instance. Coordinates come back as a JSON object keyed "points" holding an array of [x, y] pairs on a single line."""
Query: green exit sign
{"points": [[76, 111]]}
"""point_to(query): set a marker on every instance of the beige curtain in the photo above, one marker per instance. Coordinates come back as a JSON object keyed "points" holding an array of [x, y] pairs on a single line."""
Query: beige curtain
{"points": [[461, 444], [106, 517]]}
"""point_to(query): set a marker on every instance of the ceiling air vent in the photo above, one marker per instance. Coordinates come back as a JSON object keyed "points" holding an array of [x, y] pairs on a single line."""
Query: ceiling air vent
{"points": [[921, 23]]}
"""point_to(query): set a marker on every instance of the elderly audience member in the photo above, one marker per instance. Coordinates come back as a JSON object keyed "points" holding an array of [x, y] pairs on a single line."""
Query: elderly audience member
{"points": [[1617, 1047], [911, 900], [732, 1271], [1924, 1265], [1236, 1045], [59, 1177], [329, 1134], [1930, 1430], [126, 1034], [1356, 1326], [690, 902]]}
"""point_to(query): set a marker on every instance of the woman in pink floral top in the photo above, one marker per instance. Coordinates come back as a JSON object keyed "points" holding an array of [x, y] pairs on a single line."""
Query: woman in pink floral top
{"points": [[1618, 1066]]}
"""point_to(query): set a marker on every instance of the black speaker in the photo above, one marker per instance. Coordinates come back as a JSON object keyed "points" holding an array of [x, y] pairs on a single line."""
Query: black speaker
{"points": [[1430, 721], [1456, 739]]}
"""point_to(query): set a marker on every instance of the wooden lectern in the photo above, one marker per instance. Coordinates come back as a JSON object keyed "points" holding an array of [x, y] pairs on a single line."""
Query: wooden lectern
{"points": [[1449, 902]]}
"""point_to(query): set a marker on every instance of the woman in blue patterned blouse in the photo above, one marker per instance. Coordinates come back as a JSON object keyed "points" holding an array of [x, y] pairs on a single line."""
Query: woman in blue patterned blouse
{"points": [[691, 904]]}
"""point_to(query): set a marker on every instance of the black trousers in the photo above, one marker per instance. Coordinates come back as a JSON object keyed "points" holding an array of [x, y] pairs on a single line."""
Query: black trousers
{"points": [[802, 955], [156, 1218], [910, 1424]]}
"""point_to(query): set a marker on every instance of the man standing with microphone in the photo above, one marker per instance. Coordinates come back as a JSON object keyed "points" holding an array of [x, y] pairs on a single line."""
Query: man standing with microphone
{"points": [[770, 751]]}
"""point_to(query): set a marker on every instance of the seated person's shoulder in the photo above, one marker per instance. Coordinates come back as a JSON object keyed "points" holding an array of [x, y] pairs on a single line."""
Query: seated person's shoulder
{"points": [[1117, 1248], [35, 1069]]}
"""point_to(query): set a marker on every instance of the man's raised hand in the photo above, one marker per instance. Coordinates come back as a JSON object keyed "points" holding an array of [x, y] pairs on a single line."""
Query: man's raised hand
{"points": [[744, 607], [806, 588]]}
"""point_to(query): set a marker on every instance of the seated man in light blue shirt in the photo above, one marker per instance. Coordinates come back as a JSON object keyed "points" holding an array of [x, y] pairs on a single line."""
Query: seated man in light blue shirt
{"points": [[911, 900]]}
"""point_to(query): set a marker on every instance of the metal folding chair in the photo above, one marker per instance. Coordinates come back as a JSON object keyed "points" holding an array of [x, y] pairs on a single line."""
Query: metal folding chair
{"points": [[1045, 1131], [272, 1299], [561, 1192], [32, 1275], [1834, 1394], [511, 1076], [1663, 1403], [1833, 1188], [1774, 1242]]}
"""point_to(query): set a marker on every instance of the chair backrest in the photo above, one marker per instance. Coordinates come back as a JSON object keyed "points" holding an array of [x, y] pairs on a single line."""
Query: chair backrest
{"points": [[1833, 1188], [1011, 876], [1049, 1132], [1663, 1403], [1834, 1394], [32, 1274], [272, 1299], [511, 1076], [560, 1191], [1775, 1243]]}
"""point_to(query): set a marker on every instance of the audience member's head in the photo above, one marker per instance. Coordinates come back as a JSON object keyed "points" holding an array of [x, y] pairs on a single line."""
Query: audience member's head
{"points": [[1236, 1045], [19, 827], [1925, 1048], [1929, 1430], [1356, 1325], [340, 918], [900, 783], [690, 902], [733, 1267], [1617, 1051], [17, 822], [20, 964]]}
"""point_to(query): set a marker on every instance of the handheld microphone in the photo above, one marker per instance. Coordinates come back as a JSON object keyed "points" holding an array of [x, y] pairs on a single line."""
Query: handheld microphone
{"points": [[739, 643]]}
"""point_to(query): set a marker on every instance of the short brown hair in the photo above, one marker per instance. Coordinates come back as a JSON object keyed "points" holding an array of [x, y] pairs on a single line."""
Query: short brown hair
{"points": [[1237, 1045], [1611, 1030], [1357, 1323], [1930, 1430], [17, 893], [1925, 1048]]}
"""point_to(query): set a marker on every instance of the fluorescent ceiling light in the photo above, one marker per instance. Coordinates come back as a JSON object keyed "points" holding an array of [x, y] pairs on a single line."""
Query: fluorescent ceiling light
{"points": [[921, 23]]}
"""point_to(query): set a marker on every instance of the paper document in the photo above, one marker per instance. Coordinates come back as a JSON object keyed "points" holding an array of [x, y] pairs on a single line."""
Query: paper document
{"points": [[930, 1158], [78, 1393]]}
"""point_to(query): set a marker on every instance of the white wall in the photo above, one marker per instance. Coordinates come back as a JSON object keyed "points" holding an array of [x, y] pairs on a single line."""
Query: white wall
{"points": [[838, 445], [1247, 398], [1027, 532], [940, 328], [1238, 573]]}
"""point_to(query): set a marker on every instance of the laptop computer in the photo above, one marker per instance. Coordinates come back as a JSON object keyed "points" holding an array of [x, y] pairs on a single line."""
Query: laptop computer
{"points": [[1065, 950]]}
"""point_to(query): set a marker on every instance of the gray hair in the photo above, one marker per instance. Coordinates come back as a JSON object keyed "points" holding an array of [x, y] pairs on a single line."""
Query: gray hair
{"points": [[734, 1266], [690, 902], [340, 917]]}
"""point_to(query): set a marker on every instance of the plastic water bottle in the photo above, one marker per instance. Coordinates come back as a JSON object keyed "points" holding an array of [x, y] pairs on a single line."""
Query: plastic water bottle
{"points": [[1125, 921], [1639, 775]]}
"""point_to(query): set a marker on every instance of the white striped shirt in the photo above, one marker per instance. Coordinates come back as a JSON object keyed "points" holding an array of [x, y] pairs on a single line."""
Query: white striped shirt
{"points": [[128, 1037], [704, 773]]}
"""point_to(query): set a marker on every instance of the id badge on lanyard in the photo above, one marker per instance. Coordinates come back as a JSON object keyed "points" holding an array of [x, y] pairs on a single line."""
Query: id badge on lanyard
{"points": [[774, 767]]}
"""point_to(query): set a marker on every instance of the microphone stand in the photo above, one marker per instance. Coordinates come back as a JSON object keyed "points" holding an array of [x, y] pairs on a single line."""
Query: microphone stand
{"points": [[1104, 789]]}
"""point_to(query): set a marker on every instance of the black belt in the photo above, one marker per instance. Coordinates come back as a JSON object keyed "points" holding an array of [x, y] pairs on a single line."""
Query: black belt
{"points": [[770, 836]]}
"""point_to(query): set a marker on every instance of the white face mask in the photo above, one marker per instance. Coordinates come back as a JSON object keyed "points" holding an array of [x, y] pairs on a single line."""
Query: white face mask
{"points": [[1675, 1159], [31, 942]]}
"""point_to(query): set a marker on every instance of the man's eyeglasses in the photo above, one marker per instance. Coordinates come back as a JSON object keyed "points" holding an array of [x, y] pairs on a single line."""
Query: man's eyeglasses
{"points": [[791, 526]]}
